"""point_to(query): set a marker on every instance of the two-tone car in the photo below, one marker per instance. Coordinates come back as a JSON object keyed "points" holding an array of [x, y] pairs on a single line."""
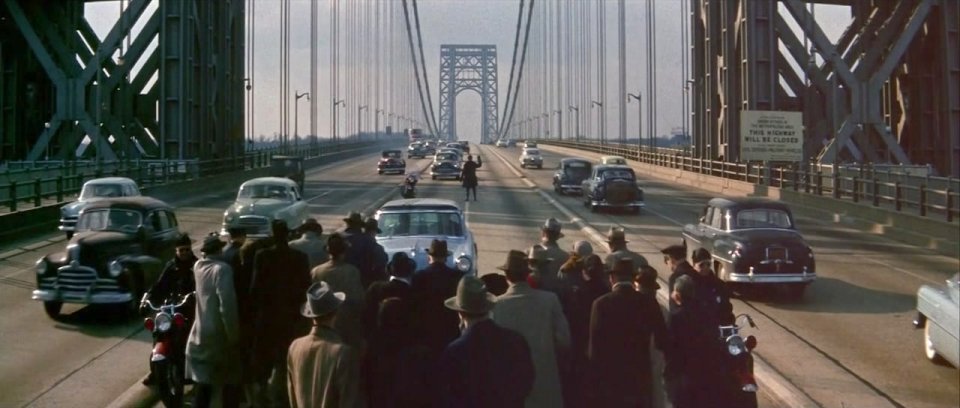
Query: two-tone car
{"points": [[391, 161], [262, 200], [938, 314], [613, 160], [446, 164], [754, 242], [93, 191], [612, 187], [530, 157], [410, 226], [570, 174], [117, 253]]}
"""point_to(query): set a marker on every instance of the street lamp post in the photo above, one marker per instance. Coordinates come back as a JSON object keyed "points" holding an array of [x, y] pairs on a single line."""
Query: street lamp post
{"points": [[577, 130], [336, 103], [296, 119], [376, 123], [639, 116], [559, 113], [359, 112], [547, 133], [600, 119]]}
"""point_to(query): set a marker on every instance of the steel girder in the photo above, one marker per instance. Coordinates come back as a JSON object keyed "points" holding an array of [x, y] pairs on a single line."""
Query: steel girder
{"points": [[468, 67], [885, 92], [76, 86]]}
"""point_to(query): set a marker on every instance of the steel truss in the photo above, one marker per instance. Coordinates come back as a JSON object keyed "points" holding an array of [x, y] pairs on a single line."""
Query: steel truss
{"points": [[61, 84], [468, 67], [886, 92]]}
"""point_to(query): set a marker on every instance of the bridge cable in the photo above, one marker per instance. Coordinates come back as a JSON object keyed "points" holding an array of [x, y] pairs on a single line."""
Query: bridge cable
{"points": [[513, 63], [523, 60], [423, 64], [416, 69]]}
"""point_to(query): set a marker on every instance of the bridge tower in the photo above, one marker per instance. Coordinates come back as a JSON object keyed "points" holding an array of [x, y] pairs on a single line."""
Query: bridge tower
{"points": [[468, 67]]}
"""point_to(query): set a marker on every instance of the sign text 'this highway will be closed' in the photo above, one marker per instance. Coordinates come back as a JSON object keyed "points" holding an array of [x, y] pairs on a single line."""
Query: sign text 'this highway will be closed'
{"points": [[771, 136]]}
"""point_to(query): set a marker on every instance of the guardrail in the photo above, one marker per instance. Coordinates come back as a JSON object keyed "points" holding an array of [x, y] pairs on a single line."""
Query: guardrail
{"points": [[56, 181], [926, 196]]}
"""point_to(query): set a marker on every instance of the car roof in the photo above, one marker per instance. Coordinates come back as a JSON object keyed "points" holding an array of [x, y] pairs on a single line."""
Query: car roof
{"points": [[434, 204], [111, 180], [575, 159], [285, 157], [613, 166], [611, 157], [269, 180], [133, 203], [747, 203]]}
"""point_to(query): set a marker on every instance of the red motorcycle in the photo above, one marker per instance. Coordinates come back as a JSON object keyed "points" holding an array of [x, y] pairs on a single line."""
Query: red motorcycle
{"points": [[170, 328], [743, 385]]}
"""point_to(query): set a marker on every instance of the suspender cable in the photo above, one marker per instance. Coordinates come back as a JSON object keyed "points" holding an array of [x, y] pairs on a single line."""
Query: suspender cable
{"points": [[413, 59], [432, 118], [523, 59], [513, 62]]}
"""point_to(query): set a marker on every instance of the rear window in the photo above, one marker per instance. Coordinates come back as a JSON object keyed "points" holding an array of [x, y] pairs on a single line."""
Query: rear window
{"points": [[763, 218], [533, 152], [618, 174], [421, 223], [394, 154]]}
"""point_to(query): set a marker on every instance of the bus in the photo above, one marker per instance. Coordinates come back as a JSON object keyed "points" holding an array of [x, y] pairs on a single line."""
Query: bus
{"points": [[415, 135]]}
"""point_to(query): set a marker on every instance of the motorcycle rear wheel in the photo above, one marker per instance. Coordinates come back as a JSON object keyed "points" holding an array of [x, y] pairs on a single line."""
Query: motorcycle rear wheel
{"points": [[169, 380]]}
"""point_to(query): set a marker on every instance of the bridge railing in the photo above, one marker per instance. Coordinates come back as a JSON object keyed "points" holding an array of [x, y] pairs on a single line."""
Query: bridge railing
{"points": [[33, 184], [879, 186]]}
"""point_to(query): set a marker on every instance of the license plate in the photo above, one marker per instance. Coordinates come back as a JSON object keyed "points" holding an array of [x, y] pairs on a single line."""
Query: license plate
{"points": [[776, 253]]}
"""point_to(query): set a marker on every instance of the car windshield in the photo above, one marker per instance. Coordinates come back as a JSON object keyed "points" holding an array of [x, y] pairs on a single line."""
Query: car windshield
{"points": [[101, 190], [392, 154], [421, 223], [579, 170], [532, 152], [446, 157], [276, 191], [112, 219], [617, 174], [763, 218]]}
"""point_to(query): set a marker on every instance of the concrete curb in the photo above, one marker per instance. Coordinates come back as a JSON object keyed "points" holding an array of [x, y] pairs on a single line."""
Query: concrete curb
{"points": [[767, 378]]}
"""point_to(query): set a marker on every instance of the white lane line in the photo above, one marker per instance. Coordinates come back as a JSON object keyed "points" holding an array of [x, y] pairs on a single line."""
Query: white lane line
{"points": [[767, 377], [319, 195]]}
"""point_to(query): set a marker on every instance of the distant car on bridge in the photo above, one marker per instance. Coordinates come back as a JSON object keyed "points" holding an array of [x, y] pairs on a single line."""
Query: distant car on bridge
{"points": [[612, 186], [93, 191], [391, 161], [613, 160], [530, 157], [570, 174]]}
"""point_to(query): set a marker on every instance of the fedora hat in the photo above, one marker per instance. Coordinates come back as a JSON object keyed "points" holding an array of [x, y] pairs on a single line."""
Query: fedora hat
{"points": [[516, 261], [552, 225], [321, 300], [371, 224], [472, 297], [675, 251], [648, 278], [616, 235], [354, 218], [624, 267], [438, 248], [311, 225], [211, 243], [538, 255]]}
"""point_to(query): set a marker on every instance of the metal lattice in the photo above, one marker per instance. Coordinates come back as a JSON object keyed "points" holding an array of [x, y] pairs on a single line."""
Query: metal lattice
{"points": [[468, 67]]}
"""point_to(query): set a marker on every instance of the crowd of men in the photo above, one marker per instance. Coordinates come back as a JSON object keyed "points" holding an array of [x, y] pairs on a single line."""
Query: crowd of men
{"points": [[331, 322]]}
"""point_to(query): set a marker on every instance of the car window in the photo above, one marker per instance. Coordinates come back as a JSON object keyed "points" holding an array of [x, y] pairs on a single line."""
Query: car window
{"points": [[295, 193], [763, 218], [531, 152], [577, 169], [421, 223], [110, 220], [160, 221], [718, 219], [707, 215], [392, 154], [171, 218], [618, 174], [446, 156], [277, 191]]}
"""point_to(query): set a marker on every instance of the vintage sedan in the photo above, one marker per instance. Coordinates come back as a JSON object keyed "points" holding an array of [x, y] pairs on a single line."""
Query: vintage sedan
{"points": [[754, 242], [445, 165], [570, 174], [530, 143], [416, 149], [262, 200], [938, 313], [612, 186], [501, 143], [118, 252], [410, 225], [93, 191], [391, 161], [530, 157]]}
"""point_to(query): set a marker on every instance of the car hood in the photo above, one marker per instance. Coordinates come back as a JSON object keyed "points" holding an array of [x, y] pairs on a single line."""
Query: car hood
{"points": [[102, 239], [416, 248], [75, 207], [260, 206]]}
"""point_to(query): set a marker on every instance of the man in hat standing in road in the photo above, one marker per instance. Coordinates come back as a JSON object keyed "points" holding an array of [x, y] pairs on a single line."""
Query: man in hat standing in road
{"points": [[621, 323], [487, 366], [361, 249], [617, 240], [431, 287], [675, 256], [311, 243], [343, 277], [548, 276], [213, 356], [538, 317], [323, 370]]}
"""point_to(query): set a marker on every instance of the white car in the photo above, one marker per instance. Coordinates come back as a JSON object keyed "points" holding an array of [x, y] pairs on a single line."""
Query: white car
{"points": [[501, 143], [531, 158], [95, 190], [937, 315], [262, 200], [410, 226]]}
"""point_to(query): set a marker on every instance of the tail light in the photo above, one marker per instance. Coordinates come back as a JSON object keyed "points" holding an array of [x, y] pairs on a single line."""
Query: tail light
{"points": [[751, 343], [148, 324], [179, 320]]}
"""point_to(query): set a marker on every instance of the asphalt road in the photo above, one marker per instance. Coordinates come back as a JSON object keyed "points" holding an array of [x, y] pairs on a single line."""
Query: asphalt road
{"points": [[848, 343]]}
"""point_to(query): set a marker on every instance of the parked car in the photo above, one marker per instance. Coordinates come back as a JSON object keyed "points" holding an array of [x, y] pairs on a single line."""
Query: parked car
{"points": [[613, 160], [410, 225], [754, 242], [416, 150], [938, 313], [391, 161], [93, 191], [612, 186], [445, 165], [501, 143], [119, 250], [262, 200], [570, 174], [290, 167], [530, 157]]}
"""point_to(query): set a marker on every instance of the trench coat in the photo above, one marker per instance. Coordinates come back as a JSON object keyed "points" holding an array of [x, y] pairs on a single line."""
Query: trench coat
{"points": [[611, 260], [550, 273], [212, 355], [344, 277], [323, 371], [314, 246], [468, 175], [437, 325], [538, 317]]}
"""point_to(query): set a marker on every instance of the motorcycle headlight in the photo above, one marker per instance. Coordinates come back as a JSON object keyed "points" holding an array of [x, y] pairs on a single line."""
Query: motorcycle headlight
{"points": [[464, 264], [163, 322], [41, 266], [115, 268], [735, 345]]}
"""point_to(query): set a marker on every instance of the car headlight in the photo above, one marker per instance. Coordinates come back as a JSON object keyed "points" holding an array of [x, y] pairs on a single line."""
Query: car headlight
{"points": [[115, 268], [735, 345], [163, 322], [229, 217], [42, 266], [464, 264]]}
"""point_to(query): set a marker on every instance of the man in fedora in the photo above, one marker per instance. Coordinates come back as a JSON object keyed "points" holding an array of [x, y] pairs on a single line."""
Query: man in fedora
{"points": [[487, 366], [213, 356], [675, 257], [621, 324], [617, 241], [538, 260], [343, 277], [323, 370], [361, 249], [538, 317], [379, 258], [549, 274], [400, 269], [431, 286], [311, 243]]}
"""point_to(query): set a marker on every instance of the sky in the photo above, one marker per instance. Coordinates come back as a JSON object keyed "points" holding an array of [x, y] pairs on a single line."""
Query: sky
{"points": [[464, 22]]}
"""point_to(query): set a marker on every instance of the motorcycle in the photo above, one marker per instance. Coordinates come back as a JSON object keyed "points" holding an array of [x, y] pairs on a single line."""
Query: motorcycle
{"points": [[408, 189], [743, 384], [170, 329]]}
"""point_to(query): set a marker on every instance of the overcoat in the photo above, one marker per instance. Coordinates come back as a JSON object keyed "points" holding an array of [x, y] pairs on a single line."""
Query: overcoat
{"points": [[323, 371], [377, 292], [314, 246], [612, 258], [468, 174], [344, 277], [433, 285], [550, 273], [537, 316], [212, 355]]}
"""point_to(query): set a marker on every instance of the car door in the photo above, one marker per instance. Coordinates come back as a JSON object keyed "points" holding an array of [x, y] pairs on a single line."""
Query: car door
{"points": [[298, 208], [587, 185], [715, 235]]}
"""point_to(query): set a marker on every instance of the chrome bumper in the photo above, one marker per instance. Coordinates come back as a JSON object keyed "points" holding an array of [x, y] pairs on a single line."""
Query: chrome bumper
{"points": [[772, 277], [576, 188], [635, 204], [80, 297]]}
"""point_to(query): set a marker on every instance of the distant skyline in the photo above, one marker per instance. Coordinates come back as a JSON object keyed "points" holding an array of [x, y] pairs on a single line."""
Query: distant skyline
{"points": [[465, 22]]}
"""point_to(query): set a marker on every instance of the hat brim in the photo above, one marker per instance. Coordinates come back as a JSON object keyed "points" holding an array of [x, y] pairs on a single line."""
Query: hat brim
{"points": [[559, 234], [506, 268], [309, 313], [452, 304], [541, 260]]}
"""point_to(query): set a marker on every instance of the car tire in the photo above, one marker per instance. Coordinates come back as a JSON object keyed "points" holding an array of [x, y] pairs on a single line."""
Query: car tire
{"points": [[52, 308], [928, 349], [69, 235], [523, 165], [539, 167], [380, 172], [433, 177]]}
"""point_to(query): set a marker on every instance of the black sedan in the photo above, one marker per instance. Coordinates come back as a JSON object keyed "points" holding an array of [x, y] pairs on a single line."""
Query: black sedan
{"points": [[570, 174], [612, 186], [753, 242], [391, 161]]}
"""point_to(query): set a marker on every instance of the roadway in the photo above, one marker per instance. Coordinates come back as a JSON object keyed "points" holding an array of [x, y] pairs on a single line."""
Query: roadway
{"points": [[849, 342]]}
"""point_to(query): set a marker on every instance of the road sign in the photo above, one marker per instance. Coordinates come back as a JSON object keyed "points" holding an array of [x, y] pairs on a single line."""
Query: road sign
{"points": [[771, 136]]}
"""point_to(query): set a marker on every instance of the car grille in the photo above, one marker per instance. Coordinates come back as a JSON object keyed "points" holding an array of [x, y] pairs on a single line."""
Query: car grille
{"points": [[253, 221], [69, 222], [76, 279]]}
